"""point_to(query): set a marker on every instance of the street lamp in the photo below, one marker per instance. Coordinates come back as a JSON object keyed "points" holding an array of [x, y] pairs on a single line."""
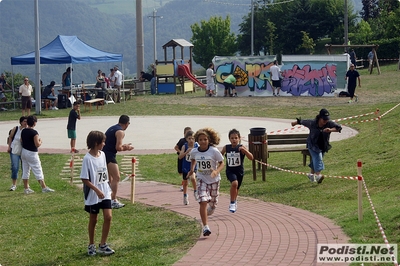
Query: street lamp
{"points": [[252, 28]]}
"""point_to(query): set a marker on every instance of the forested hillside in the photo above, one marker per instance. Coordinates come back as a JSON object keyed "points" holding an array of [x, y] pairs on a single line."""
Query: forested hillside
{"points": [[107, 25]]}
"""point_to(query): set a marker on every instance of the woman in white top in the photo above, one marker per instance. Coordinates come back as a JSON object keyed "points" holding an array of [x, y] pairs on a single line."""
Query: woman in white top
{"points": [[15, 156]]}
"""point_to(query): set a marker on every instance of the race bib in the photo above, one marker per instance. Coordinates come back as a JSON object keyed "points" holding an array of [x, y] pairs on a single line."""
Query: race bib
{"points": [[204, 167], [102, 175], [233, 159]]}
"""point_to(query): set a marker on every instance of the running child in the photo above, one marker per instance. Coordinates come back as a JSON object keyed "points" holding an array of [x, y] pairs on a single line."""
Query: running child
{"points": [[185, 156], [209, 162], [178, 148], [97, 191], [234, 154]]}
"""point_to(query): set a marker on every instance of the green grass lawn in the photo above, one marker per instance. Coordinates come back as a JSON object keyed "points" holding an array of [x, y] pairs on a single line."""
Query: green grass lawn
{"points": [[51, 229]]}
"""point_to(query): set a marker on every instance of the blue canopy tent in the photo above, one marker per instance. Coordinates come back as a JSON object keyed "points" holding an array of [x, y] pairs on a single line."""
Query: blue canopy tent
{"points": [[67, 50]]}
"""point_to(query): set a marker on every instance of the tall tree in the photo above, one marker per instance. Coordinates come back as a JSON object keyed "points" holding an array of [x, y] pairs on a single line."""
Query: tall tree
{"points": [[211, 38], [370, 9]]}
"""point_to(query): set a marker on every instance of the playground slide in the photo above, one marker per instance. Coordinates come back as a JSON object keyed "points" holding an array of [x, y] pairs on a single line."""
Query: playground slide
{"points": [[183, 70]]}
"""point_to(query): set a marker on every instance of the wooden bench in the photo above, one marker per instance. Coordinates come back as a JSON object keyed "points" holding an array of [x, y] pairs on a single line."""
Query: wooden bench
{"points": [[288, 143], [97, 101]]}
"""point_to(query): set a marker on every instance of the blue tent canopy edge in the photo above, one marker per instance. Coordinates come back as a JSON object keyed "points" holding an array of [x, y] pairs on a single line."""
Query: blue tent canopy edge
{"points": [[67, 50]]}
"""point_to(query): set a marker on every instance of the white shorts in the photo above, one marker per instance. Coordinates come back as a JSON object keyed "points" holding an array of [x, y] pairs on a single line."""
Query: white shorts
{"points": [[210, 87], [30, 160]]}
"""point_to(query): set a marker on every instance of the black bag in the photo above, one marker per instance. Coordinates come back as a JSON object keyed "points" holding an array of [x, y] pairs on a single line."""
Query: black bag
{"points": [[344, 94], [62, 101]]}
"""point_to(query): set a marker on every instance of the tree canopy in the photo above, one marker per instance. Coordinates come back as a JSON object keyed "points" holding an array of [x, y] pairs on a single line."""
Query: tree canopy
{"points": [[211, 38]]}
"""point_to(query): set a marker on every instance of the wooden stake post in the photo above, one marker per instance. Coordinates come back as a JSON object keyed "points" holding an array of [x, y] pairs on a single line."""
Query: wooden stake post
{"points": [[360, 180], [133, 180]]}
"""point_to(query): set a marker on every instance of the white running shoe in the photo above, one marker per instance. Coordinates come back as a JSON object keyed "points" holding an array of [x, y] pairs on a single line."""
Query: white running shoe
{"points": [[116, 204], [105, 250], [13, 188], [47, 189], [232, 207], [311, 177], [28, 191], [185, 200], [206, 230]]}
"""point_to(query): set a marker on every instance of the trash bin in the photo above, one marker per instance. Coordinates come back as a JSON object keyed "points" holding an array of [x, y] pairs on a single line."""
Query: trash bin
{"points": [[258, 147]]}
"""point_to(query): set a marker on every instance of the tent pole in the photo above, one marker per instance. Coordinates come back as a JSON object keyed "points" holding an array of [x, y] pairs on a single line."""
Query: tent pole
{"points": [[12, 84]]}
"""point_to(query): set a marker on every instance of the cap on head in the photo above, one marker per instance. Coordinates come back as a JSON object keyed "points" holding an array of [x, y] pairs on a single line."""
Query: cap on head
{"points": [[52, 83], [324, 114]]}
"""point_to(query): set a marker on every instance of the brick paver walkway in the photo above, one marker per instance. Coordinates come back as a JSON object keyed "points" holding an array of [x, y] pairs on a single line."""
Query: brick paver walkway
{"points": [[259, 233]]}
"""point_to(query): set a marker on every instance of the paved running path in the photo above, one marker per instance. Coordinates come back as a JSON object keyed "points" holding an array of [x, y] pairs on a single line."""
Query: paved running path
{"points": [[259, 233]]}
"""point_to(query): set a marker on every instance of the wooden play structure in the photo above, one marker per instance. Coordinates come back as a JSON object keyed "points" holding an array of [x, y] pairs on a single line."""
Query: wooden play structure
{"points": [[175, 75], [374, 47]]}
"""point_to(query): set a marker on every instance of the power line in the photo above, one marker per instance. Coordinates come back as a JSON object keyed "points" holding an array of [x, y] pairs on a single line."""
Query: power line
{"points": [[234, 4]]}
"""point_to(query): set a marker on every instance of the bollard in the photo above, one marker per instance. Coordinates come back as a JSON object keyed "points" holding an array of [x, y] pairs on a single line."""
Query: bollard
{"points": [[258, 147]]}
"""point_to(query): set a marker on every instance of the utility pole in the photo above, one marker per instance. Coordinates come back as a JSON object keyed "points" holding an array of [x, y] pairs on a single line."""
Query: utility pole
{"points": [[139, 42], [346, 25], [154, 16], [38, 105], [252, 27]]}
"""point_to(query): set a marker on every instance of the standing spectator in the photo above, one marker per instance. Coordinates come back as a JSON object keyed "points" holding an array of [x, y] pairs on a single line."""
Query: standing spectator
{"points": [[106, 80], [229, 84], [3, 82], [74, 114], [66, 79], [97, 191], [3, 85], [209, 162], [99, 79], [15, 149], [178, 148], [370, 60], [30, 156], [49, 93], [118, 78], [318, 141], [352, 76], [210, 80], [275, 73], [111, 77], [25, 90], [234, 154], [353, 57], [114, 137]]}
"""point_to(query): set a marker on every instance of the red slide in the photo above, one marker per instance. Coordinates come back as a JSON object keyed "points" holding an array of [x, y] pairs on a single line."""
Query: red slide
{"points": [[183, 70]]}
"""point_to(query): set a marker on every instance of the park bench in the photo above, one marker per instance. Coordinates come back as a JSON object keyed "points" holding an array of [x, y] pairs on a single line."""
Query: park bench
{"points": [[97, 101], [288, 143]]}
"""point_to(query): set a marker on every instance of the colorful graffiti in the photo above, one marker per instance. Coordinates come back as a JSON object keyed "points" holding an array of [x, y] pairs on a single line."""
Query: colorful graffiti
{"points": [[314, 82], [301, 78]]}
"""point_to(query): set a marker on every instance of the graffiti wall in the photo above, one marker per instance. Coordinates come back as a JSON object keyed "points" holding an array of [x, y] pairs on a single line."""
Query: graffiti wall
{"points": [[305, 75]]}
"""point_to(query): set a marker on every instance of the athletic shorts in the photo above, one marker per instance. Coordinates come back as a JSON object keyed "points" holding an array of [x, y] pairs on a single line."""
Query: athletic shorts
{"points": [[232, 176], [71, 133], [180, 165], [110, 158], [95, 209], [26, 102], [276, 83]]}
